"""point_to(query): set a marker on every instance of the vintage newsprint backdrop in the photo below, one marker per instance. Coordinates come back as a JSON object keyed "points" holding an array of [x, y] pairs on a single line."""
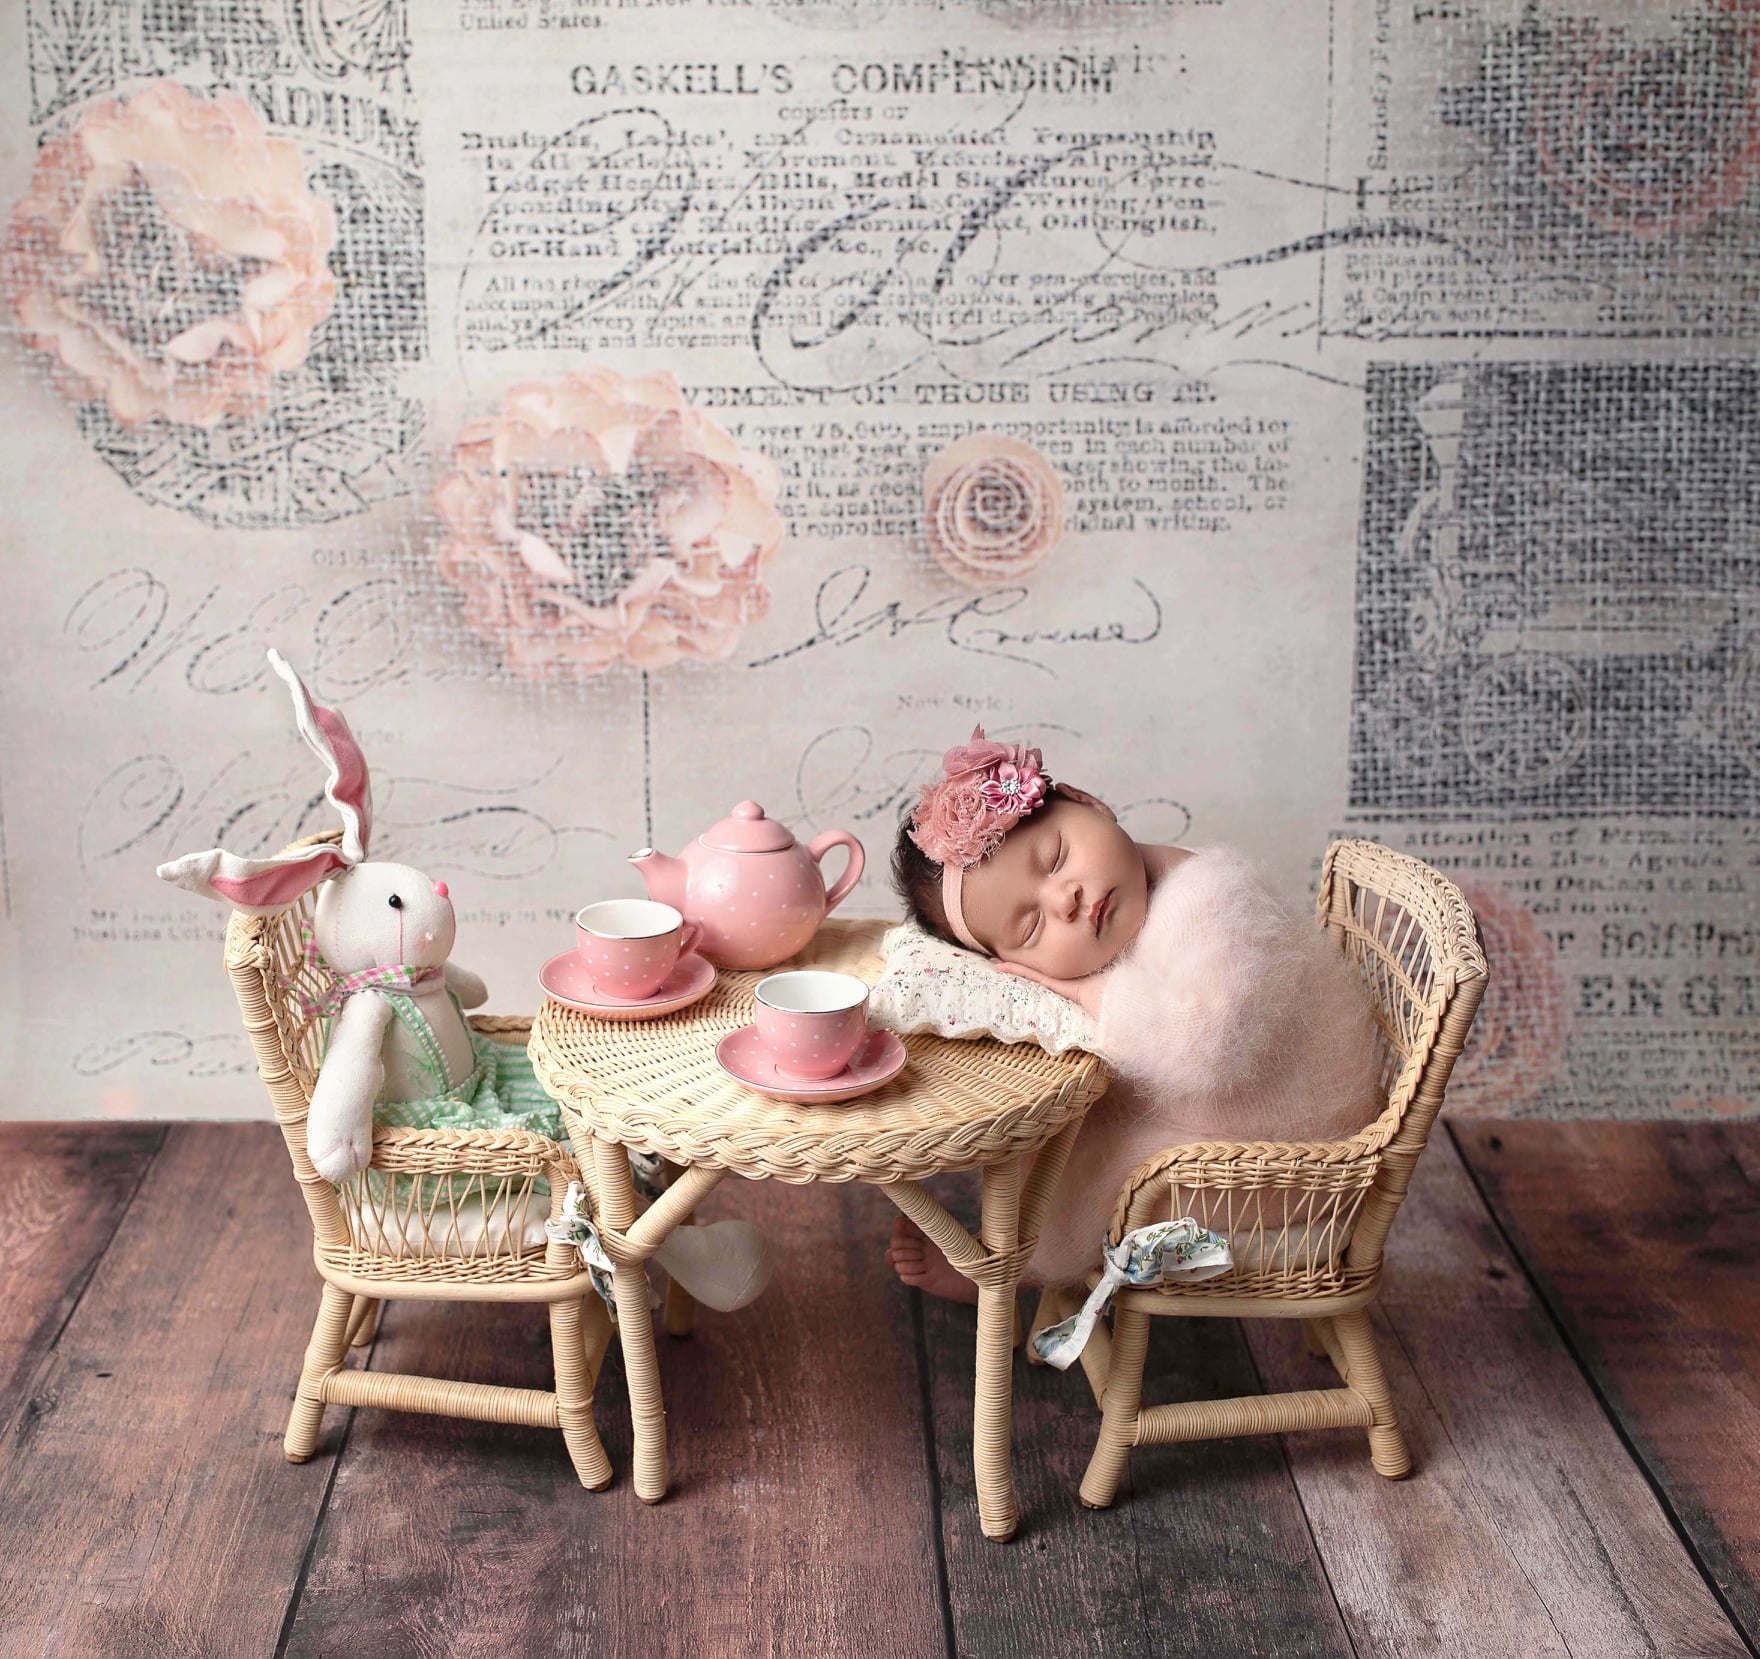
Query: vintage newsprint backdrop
{"points": [[1301, 416]]}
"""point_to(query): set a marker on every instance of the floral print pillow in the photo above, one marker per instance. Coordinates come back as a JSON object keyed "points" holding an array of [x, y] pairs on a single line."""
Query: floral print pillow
{"points": [[930, 985]]}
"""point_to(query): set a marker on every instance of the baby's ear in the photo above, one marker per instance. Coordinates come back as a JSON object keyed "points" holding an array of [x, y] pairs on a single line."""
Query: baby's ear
{"points": [[1074, 794]]}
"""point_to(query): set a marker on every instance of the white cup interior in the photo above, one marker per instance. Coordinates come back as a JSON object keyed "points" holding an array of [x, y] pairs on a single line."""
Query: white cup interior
{"points": [[628, 919], [811, 991]]}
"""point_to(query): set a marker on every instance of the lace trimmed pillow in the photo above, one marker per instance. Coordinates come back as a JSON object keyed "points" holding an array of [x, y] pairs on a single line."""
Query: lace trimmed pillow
{"points": [[930, 985]]}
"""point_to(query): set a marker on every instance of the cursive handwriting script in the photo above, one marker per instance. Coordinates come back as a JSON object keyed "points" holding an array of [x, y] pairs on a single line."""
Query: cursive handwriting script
{"points": [[838, 781], [224, 1054], [968, 622], [845, 268], [147, 807], [130, 628]]}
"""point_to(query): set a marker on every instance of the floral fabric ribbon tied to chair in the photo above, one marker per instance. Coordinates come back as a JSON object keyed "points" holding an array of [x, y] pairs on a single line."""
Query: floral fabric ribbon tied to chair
{"points": [[1161, 1253], [576, 1228]]}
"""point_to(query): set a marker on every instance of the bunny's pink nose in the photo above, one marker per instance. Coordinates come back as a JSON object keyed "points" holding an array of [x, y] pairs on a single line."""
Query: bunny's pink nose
{"points": [[440, 888]]}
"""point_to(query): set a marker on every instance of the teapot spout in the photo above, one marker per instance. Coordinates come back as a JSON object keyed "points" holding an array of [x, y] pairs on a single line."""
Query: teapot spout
{"points": [[664, 875]]}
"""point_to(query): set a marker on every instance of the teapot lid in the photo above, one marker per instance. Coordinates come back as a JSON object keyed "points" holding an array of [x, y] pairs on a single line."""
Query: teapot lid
{"points": [[747, 830]]}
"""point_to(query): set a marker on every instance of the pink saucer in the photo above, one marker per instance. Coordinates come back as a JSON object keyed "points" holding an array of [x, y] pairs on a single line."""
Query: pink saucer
{"points": [[565, 978], [742, 1055]]}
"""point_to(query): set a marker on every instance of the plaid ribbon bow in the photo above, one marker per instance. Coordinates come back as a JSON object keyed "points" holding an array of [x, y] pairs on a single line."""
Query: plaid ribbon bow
{"points": [[404, 978]]}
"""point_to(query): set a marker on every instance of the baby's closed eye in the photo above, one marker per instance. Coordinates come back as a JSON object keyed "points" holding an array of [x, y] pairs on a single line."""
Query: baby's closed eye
{"points": [[1035, 918]]}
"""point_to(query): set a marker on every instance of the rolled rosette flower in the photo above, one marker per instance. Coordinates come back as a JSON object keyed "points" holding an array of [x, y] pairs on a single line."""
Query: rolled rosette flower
{"points": [[992, 509], [596, 520], [170, 258]]}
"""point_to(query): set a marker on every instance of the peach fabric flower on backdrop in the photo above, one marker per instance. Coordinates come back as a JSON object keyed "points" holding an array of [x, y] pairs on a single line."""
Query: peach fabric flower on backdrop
{"points": [[170, 258], [992, 509], [597, 520], [1652, 137], [1518, 1040]]}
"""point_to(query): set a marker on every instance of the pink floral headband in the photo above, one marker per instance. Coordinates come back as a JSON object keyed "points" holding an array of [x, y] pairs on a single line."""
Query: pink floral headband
{"points": [[987, 789]]}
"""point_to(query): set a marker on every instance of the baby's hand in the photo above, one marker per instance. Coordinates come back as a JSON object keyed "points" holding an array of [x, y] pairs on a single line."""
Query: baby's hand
{"points": [[1085, 992]]}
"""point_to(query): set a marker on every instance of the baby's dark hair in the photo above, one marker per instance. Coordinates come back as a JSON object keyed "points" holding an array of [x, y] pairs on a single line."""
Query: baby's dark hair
{"points": [[917, 879]]}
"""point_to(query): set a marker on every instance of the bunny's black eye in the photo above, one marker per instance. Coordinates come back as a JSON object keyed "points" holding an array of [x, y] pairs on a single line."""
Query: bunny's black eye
{"points": [[395, 902]]}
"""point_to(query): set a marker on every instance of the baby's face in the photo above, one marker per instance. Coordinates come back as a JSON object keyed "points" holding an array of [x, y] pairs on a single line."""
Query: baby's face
{"points": [[1064, 893]]}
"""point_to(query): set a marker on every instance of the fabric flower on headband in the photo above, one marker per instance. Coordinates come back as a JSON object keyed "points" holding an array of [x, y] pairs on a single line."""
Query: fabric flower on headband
{"points": [[986, 789]]}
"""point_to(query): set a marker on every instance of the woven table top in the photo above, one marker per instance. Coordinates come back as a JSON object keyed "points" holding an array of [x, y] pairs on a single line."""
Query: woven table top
{"points": [[654, 1086]]}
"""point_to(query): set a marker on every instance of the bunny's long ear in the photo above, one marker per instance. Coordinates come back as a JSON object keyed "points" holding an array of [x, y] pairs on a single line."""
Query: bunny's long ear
{"points": [[262, 886], [259, 886], [328, 737]]}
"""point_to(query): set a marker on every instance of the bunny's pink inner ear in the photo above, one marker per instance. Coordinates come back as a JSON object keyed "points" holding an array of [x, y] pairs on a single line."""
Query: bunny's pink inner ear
{"points": [[327, 735], [259, 885], [275, 889], [349, 788]]}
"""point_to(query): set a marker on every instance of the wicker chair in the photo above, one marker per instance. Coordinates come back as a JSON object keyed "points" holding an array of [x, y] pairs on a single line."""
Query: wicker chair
{"points": [[441, 1214], [1307, 1222]]}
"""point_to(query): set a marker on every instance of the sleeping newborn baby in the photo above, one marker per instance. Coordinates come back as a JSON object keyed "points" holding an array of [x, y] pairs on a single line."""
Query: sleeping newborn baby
{"points": [[1222, 1015]]}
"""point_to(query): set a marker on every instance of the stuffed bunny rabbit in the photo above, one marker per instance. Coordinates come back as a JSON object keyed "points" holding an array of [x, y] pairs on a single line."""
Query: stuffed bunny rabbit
{"points": [[379, 927], [398, 1045]]}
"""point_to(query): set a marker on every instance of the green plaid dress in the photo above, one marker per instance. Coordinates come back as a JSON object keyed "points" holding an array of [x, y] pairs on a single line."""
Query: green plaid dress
{"points": [[499, 1093]]}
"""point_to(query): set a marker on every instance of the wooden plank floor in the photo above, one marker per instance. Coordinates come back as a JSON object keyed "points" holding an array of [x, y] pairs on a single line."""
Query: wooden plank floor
{"points": [[1571, 1327]]}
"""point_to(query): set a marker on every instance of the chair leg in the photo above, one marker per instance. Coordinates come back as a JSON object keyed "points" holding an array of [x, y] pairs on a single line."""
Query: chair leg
{"points": [[635, 1331], [323, 1356], [574, 1394], [1364, 1376], [363, 1320], [1118, 1416], [1311, 1334]]}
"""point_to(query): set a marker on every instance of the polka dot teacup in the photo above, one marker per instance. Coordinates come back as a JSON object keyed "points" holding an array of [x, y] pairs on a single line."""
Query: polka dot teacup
{"points": [[811, 1022], [630, 946]]}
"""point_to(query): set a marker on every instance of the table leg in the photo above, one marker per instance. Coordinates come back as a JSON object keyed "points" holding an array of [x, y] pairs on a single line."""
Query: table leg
{"points": [[1036, 1193], [1048, 1169], [635, 1328], [993, 1402], [993, 1266]]}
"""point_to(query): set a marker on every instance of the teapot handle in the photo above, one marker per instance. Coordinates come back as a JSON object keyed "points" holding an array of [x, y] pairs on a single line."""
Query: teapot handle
{"points": [[820, 845]]}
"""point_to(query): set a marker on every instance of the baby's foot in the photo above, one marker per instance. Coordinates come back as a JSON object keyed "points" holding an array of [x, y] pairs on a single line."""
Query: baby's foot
{"points": [[918, 1261]]}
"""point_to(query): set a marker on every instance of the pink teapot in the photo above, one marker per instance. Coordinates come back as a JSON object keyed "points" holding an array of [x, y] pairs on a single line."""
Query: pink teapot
{"points": [[756, 892]]}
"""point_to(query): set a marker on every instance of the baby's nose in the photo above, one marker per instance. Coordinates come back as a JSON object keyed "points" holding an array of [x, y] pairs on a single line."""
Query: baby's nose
{"points": [[440, 889]]}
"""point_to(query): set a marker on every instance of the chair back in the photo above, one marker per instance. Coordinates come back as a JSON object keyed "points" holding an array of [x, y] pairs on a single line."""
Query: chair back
{"points": [[1308, 1219], [266, 962], [1410, 934]]}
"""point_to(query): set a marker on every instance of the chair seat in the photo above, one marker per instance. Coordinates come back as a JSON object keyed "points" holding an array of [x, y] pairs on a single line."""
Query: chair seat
{"points": [[1280, 1265], [443, 1219], [1292, 1251], [470, 1229]]}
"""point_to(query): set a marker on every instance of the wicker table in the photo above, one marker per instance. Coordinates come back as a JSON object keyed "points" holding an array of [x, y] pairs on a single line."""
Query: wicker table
{"points": [[653, 1086]]}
